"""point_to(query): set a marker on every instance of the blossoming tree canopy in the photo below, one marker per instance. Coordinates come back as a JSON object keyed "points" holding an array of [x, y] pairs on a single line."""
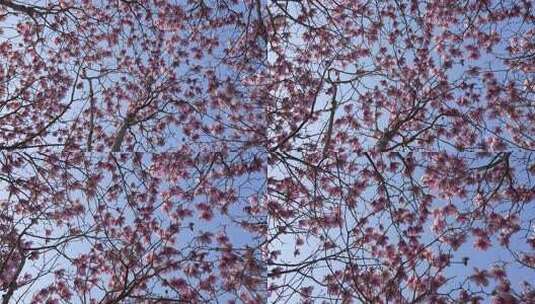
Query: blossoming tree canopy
{"points": [[433, 75], [397, 137], [401, 166], [177, 218], [124, 228], [403, 229], [127, 75]]}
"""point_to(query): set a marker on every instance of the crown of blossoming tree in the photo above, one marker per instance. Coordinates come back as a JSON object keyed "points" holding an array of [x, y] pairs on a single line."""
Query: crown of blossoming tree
{"points": [[400, 153], [131, 167], [250, 151]]}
